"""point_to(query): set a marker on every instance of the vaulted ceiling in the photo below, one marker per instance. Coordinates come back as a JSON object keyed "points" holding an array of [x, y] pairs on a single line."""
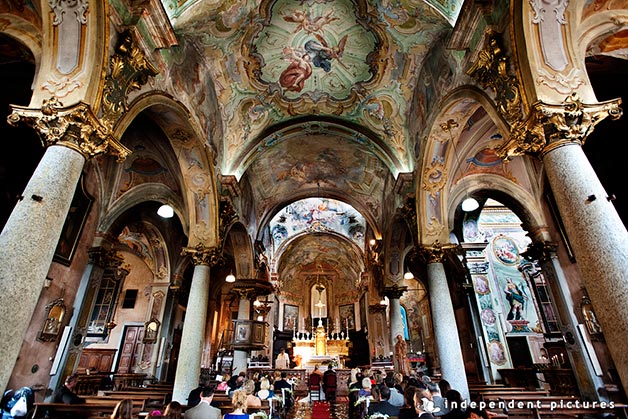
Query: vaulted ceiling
{"points": [[315, 93]]}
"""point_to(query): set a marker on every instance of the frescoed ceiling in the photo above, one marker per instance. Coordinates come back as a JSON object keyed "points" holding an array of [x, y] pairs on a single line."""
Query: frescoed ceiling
{"points": [[352, 59], [331, 257], [317, 97]]}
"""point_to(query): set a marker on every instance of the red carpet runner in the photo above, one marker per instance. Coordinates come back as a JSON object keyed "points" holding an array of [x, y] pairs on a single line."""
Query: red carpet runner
{"points": [[320, 410]]}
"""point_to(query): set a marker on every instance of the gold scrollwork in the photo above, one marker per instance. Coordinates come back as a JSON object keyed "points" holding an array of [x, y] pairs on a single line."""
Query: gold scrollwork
{"points": [[435, 177], [129, 71], [75, 127], [491, 71]]}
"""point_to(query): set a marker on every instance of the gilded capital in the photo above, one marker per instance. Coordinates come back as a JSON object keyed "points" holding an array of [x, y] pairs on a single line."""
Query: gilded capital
{"points": [[436, 252], [551, 126], [540, 251], [75, 127], [395, 291], [202, 255]]}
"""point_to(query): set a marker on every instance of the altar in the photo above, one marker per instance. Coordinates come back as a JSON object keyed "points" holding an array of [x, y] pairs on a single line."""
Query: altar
{"points": [[320, 348]]}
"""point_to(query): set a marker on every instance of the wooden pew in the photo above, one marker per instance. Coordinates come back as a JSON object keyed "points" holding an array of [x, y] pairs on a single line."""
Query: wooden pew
{"points": [[85, 410]]}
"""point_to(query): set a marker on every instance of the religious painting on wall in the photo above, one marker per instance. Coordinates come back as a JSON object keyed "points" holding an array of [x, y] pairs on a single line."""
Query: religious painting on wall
{"points": [[347, 317], [290, 317], [77, 215]]}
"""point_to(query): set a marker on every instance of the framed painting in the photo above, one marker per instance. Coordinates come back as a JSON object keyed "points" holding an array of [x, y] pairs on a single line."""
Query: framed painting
{"points": [[77, 215], [347, 317], [290, 317]]}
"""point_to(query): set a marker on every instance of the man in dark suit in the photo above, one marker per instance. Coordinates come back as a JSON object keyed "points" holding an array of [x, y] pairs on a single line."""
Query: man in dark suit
{"points": [[329, 383], [204, 410], [383, 406], [66, 393]]}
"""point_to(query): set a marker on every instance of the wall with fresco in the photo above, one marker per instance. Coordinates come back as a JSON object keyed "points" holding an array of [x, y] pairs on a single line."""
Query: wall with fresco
{"points": [[505, 299]]}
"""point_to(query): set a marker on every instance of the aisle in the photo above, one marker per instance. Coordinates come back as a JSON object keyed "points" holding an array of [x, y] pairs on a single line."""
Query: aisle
{"points": [[320, 410]]}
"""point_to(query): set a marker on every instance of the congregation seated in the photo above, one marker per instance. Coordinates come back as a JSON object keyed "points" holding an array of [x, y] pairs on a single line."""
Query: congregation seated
{"points": [[251, 399], [265, 392], [238, 400], [123, 410]]}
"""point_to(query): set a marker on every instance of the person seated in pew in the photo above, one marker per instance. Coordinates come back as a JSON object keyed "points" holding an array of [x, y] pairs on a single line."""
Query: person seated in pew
{"points": [[204, 410], [194, 397], [173, 410], [123, 410], [66, 393], [238, 400], [382, 406], [265, 392], [251, 399]]}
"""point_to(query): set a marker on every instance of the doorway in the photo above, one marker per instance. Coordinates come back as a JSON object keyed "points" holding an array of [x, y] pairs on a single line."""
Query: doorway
{"points": [[129, 349]]}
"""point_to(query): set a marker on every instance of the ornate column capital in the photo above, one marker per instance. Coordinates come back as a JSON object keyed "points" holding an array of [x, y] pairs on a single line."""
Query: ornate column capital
{"points": [[394, 291], [377, 308], [435, 252], [75, 127], [550, 126], [202, 255], [541, 251]]}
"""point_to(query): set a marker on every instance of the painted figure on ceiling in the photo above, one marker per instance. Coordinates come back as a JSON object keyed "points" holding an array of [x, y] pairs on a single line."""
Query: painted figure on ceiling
{"points": [[308, 24], [298, 71], [321, 53]]}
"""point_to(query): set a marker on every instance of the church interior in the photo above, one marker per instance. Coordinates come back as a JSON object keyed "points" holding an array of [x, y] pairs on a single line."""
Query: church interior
{"points": [[191, 186]]}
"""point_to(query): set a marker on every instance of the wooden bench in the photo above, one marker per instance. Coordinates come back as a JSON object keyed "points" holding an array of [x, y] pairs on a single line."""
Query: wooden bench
{"points": [[85, 410]]}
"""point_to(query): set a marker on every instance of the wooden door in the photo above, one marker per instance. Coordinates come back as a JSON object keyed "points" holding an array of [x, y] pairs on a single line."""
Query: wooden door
{"points": [[129, 350]]}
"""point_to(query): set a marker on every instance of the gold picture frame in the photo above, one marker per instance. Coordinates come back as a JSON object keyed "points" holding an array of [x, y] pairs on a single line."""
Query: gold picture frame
{"points": [[55, 313], [151, 331]]}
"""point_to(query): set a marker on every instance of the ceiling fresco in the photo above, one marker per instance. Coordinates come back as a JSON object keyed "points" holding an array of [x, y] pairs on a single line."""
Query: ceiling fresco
{"points": [[332, 258], [356, 60], [339, 166], [318, 215]]}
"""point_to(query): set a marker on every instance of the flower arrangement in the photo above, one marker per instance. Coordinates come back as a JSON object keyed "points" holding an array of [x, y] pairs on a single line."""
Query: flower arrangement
{"points": [[378, 415], [363, 399], [260, 414]]}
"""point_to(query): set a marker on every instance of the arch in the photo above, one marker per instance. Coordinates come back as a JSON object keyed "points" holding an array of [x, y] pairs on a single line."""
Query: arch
{"points": [[308, 193], [437, 158], [142, 193], [201, 197], [26, 33], [522, 203]]}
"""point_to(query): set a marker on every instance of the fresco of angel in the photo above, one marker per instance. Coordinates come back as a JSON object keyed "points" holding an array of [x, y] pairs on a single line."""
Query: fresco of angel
{"points": [[308, 24], [321, 53], [298, 71]]}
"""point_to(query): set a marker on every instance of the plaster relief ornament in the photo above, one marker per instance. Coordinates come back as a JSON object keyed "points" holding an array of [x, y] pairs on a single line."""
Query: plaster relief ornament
{"points": [[68, 39]]}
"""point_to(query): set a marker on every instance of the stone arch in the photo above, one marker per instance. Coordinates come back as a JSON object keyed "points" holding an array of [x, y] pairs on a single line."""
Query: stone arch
{"points": [[439, 157], [191, 152], [25, 32]]}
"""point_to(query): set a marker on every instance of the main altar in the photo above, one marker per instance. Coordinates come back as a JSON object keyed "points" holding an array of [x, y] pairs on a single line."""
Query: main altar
{"points": [[320, 348]]}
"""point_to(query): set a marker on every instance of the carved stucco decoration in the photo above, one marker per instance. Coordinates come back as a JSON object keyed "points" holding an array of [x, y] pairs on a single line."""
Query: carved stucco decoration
{"points": [[130, 70], [75, 127], [62, 87], [434, 227], [549, 16], [69, 32], [435, 177], [491, 71], [551, 126], [561, 83]]}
